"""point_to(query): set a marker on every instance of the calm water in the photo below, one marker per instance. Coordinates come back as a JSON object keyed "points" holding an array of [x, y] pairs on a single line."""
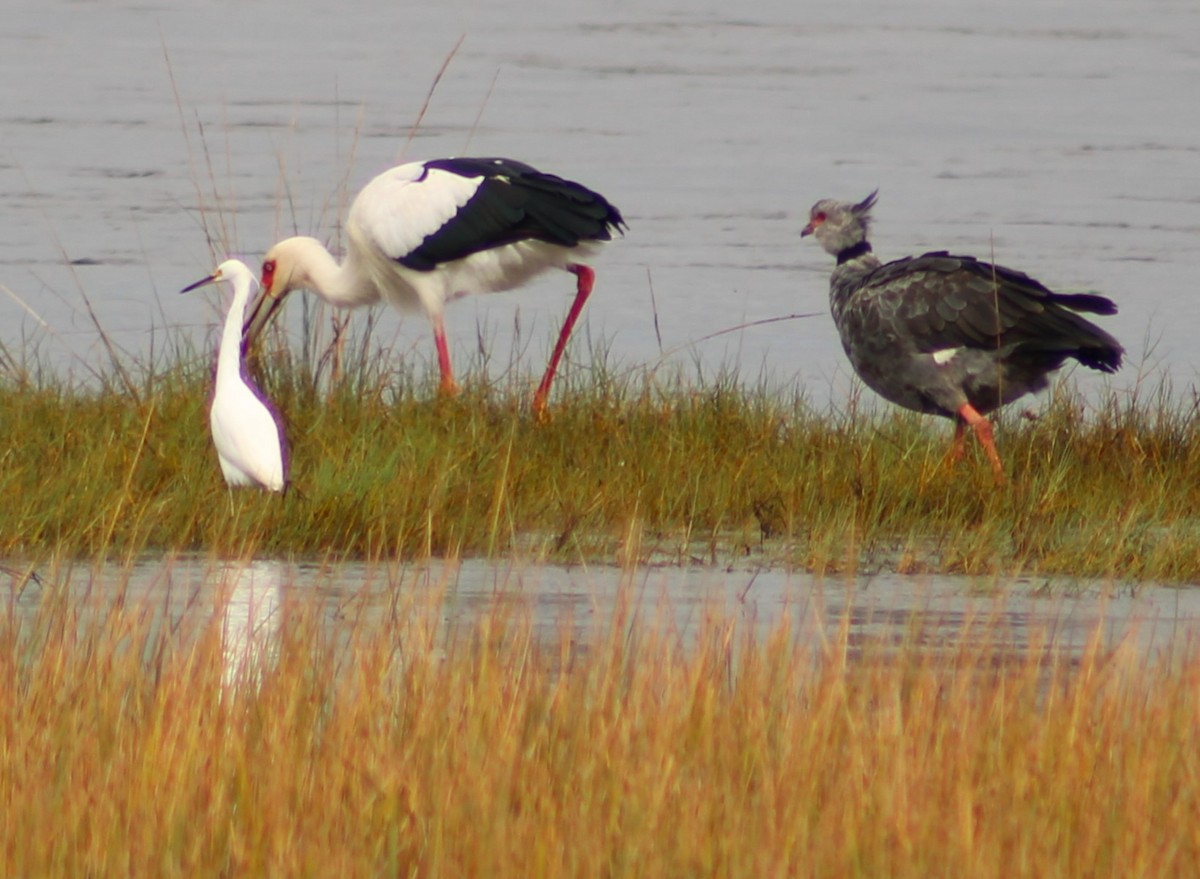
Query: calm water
{"points": [[1062, 137], [938, 613]]}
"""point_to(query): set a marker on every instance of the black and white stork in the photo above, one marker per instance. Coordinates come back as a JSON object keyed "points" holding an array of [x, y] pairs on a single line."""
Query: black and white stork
{"points": [[423, 233]]}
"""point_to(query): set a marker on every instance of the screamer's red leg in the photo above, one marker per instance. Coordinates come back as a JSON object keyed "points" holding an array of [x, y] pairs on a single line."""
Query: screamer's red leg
{"points": [[448, 386], [585, 278], [957, 449], [983, 432]]}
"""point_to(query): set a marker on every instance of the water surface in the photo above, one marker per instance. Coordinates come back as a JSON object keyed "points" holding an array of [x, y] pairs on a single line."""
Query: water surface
{"points": [[580, 604], [1062, 138]]}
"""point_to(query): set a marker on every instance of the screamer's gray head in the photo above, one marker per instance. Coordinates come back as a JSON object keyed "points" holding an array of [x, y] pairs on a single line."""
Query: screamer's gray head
{"points": [[840, 225]]}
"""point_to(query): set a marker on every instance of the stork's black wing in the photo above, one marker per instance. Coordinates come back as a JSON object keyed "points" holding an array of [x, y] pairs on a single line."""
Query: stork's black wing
{"points": [[513, 202]]}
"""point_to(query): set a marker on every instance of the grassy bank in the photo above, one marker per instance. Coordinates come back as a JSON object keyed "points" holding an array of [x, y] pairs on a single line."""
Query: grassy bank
{"points": [[627, 469], [130, 750]]}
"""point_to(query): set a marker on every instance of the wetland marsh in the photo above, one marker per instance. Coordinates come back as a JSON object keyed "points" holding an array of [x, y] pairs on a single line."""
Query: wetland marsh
{"points": [[720, 615]]}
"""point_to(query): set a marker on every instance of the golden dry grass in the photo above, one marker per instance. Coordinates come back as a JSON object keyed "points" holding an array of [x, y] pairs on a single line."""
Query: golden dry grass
{"points": [[131, 749]]}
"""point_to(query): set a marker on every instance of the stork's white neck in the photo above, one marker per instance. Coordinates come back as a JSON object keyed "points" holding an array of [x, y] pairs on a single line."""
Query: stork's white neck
{"points": [[304, 263]]}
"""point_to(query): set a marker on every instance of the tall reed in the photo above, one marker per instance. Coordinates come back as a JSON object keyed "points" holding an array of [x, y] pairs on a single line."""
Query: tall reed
{"points": [[406, 748]]}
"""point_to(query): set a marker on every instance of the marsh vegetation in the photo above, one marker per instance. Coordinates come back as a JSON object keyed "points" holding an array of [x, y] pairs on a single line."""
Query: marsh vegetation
{"points": [[631, 466]]}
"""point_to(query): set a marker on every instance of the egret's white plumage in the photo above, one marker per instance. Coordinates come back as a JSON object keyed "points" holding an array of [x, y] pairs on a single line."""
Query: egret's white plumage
{"points": [[245, 430], [424, 233]]}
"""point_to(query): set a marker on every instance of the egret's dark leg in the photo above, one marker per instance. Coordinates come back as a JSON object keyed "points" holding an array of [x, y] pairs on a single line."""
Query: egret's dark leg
{"points": [[585, 278]]}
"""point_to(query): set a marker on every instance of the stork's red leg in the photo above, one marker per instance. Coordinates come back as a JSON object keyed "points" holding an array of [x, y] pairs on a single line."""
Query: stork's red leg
{"points": [[585, 278], [448, 386], [983, 431]]}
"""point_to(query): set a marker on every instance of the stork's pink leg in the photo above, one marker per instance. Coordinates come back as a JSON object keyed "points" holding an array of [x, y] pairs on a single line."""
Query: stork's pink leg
{"points": [[983, 431], [585, 278], [449, 386]]}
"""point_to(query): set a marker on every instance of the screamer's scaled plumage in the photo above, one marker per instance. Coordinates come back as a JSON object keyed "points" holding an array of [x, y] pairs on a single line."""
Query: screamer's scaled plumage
{"points": [[246, 431], [951, 335], [424, 233]]}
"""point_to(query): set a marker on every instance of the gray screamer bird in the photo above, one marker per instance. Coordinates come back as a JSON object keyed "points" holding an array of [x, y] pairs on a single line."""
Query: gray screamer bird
{"points": [[951, 335]]}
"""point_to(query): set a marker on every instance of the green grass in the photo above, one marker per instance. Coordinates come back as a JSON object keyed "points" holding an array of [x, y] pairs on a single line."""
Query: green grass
{"points": [[410, 750], [629, 468]]}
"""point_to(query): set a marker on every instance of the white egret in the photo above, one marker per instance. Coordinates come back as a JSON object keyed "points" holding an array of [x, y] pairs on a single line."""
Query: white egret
{"points": [[423, 233], [246, 430]]}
